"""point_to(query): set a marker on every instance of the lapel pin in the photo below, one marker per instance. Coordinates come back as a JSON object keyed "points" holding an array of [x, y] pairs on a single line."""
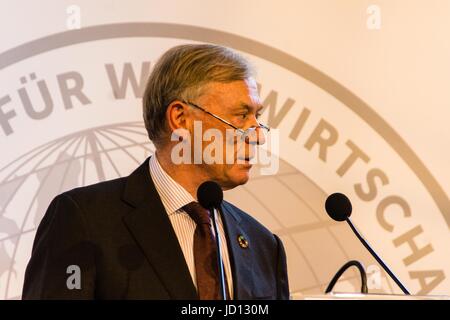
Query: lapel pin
{"points": [[242, 241]]}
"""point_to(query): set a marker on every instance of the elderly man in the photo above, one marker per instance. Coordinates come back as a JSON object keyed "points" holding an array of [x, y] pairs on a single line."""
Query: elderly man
{"points": [[145, 236]]}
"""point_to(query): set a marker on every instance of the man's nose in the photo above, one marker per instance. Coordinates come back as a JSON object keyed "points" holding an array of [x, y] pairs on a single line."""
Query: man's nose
{"points": [[256, 136]]}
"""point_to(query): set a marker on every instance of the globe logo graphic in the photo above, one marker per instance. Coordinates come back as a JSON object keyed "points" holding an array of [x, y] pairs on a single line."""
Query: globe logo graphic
{"points": [[28, 184], [316, 246]]}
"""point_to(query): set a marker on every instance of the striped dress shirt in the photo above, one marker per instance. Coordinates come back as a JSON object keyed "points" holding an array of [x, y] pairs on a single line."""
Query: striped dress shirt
{"points": [[174, 197]]}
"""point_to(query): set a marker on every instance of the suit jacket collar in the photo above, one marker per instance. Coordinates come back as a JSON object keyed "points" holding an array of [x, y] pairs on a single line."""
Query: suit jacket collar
{"points": [[149, 224], [240, 258]]}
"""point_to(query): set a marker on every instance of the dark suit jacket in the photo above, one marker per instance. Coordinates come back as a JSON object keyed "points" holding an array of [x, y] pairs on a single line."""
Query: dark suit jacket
{"points": [[119, 235]]}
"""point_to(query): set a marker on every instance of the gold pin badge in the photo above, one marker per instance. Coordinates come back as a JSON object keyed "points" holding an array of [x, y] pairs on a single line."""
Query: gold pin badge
{"points": [[242, 241]]}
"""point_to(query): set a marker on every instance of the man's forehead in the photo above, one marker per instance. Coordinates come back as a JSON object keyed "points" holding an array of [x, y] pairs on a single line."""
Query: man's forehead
{"points": [[241, 93]]}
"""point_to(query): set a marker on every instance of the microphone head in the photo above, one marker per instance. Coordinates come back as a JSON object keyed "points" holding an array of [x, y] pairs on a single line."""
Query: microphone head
{"points": [[338, 206], [210, 195]]}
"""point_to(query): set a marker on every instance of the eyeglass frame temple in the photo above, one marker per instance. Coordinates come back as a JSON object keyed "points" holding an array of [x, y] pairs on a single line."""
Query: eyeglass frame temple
{"points": [[260, 125]]}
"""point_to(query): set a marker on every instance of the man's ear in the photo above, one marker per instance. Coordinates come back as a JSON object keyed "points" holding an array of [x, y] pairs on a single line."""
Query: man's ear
{"points": [[176, 115]]}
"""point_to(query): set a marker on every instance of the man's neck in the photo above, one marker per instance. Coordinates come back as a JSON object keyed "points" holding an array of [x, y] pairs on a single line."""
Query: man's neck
{"points": [[187, 175]]}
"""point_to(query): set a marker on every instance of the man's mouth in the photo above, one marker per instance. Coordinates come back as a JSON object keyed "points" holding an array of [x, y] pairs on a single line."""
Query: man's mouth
{"points": [[245, 160]]}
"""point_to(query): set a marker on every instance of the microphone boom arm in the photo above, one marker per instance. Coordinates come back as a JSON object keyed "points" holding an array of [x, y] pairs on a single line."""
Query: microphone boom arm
{"points": [[219, 254], [385, 267], [344, 268]]}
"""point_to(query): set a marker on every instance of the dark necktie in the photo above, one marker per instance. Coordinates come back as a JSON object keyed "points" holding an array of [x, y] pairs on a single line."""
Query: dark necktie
{"points": [[205, 253]]}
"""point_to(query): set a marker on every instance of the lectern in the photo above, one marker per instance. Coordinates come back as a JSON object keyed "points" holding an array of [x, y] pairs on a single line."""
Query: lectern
{"points": [[360, 296]]}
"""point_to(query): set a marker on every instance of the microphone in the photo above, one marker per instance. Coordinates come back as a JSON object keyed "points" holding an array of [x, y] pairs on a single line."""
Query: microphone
{"points": [[210, 197], [339, 208], [341, 271]]}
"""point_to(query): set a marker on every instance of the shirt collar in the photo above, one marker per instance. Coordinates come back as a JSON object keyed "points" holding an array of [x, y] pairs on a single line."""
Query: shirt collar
{"points": [[173, 195]]}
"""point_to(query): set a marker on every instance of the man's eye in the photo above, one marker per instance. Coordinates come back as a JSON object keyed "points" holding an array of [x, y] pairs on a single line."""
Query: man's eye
{"points": [[258, 115], [243, 116]]}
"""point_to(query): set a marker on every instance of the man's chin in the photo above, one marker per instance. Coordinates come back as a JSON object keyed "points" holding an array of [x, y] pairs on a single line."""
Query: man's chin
{"points": [[237, 178]]}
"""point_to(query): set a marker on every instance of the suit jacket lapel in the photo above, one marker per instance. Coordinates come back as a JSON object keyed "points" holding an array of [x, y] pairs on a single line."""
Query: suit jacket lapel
{"points": [[153, 231], [240, 258]]}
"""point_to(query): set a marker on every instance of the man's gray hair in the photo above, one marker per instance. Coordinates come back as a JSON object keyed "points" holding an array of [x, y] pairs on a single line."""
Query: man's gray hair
{"points": [[181, 73]]}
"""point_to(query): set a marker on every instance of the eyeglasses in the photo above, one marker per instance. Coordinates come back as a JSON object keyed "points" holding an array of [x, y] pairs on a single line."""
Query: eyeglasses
{"points": [[245, 133]]}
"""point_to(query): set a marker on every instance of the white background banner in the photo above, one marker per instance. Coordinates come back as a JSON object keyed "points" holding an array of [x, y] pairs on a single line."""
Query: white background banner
{"points": [[357, 89]]}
